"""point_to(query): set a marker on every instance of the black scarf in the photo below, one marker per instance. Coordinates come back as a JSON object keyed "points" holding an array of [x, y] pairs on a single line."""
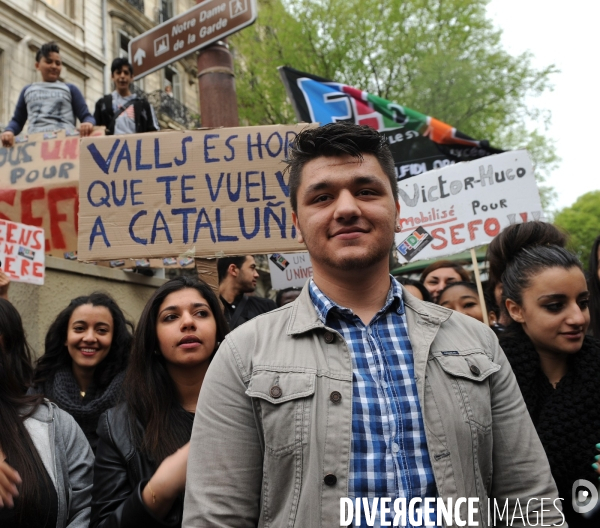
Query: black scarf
{"points": [[64, 391], [567, 418]]}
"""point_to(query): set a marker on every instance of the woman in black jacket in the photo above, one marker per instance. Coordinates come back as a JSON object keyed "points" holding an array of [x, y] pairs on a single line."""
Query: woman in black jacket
{"points": [[556, 365], [139, 473]]}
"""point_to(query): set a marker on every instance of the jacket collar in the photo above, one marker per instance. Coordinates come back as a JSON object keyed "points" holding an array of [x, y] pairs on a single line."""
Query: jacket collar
{"points": [[303, 316]]}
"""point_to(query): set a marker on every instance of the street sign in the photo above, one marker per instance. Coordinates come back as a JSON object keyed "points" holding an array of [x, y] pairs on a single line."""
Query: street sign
{"points": [[196, 28]]}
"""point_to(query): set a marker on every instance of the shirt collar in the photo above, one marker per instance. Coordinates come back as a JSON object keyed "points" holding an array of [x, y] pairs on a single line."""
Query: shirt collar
{"points": [[323, 304]]}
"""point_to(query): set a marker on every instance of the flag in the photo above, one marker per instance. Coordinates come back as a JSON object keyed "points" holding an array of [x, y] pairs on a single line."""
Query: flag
{"points": [[418, 142]]}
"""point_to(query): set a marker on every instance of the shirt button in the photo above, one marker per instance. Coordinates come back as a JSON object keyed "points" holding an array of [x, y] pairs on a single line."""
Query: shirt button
{"points": [[395, 447], [335, 397], [329, 337], [384, 385], [330, 479], [276, 391], [475, 370]]}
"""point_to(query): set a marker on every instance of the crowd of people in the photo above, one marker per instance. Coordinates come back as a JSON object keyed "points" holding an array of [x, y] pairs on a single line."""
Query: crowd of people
{"points": [[347, 387]]}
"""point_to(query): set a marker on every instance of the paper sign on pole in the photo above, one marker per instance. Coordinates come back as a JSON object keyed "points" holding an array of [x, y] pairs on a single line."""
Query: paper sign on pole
{"points": [[202, 193], [289, 270], [22, 252], [465, 205], [39, 178]]}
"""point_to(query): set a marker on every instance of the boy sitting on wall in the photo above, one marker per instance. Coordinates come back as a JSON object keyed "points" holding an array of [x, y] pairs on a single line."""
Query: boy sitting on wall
{"points": [[51, 104]]}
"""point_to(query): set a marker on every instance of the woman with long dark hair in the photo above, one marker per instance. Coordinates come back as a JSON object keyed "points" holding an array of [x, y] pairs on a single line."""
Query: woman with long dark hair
{"points": [[139, 475], [86, 353], [557, 366], [45, 460], [594, 286]]}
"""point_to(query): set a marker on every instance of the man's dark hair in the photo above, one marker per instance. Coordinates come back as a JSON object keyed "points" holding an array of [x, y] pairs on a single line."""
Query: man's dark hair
{"points": [[338, 139], [224, 263], [45, 50], [118, 63]]}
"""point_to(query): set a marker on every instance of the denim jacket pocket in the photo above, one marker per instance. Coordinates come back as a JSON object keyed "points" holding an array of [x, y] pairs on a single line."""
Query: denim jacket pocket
{"points": [[283, 399], [469, 371]]}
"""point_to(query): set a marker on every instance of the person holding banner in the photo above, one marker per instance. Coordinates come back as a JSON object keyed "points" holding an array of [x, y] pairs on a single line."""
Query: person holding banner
{"points": [[46, 463], [86, 353], [51, 104], [356, 390], [556, 364], [140, 469]]}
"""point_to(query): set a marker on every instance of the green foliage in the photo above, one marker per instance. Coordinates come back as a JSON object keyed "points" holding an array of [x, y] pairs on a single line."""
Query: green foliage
{"points": [[440, 57], [582, 222]]}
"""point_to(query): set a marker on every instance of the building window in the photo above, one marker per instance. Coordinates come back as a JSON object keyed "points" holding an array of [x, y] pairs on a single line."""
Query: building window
{"points": [[138, 4], [166, 10], [173, 83], [123, 45]]}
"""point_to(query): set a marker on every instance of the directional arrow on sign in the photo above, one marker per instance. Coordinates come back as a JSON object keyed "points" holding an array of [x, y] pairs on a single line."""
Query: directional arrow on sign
{"points": [[139, 56]]}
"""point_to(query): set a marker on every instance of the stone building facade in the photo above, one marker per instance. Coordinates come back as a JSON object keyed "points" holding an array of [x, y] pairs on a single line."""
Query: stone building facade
{"points": [[91, 33]]}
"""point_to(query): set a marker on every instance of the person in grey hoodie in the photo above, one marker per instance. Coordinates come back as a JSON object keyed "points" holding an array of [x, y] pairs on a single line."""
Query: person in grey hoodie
{"points": [[46, 463]]}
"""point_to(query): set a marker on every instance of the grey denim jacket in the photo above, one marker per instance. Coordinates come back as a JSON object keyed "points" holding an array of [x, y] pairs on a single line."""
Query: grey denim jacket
{"points": [[68, 458], [268, 429]]}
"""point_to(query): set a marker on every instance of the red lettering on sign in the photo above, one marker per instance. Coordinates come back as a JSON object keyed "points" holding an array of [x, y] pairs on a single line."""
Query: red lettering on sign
{"points": [[8, 262], [54, 197], [53, 154], [36, 238], [71, 149], [491, 227], [25, 236], [472, 226], [8, 249], [38, 269], [454, 234], [27, 197], [436, 234], [24, 267], [10, 229]]}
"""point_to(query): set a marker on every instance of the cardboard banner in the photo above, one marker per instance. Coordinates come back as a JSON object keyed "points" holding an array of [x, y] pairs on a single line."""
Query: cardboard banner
{"points": [[22, 252], [201, 193], [289, 270], [465, 205], [39, 182]]}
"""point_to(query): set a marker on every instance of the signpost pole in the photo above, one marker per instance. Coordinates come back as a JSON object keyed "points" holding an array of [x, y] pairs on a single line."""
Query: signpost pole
{"points": [[479, 287], [216, 84]]}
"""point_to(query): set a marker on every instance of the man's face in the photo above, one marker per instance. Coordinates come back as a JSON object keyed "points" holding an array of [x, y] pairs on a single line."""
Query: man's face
{"points": [[122, 79], [247, 275], [346, 213], [50, 67]]}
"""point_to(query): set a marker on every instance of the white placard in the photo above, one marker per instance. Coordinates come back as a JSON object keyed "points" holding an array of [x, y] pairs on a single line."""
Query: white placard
{"points": [[22, 252], [450, 210], [289, 270]]}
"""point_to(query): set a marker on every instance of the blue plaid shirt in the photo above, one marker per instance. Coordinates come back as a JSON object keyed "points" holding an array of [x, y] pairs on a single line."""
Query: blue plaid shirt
{"points": [[389, 456]]}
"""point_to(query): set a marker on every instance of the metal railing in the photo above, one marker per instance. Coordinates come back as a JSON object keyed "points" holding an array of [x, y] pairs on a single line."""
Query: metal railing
{"points": [[169, 107]]}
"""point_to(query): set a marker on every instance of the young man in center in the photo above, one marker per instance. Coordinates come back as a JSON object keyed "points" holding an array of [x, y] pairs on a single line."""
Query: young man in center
{"points": [[357, 389]]}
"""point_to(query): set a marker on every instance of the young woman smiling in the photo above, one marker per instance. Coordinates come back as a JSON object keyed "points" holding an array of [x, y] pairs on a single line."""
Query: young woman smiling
{"points": [[139, 473], [556, 364], [86, 353]]}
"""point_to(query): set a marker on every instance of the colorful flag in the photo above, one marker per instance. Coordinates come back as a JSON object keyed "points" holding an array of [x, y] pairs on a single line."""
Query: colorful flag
{"points": [[418, 142]]}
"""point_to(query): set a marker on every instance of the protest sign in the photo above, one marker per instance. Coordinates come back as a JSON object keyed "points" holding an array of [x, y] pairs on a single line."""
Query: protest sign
{"points": [[39, 186], [22, 252], [201, 193], [465, 205], [289, 270]]}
